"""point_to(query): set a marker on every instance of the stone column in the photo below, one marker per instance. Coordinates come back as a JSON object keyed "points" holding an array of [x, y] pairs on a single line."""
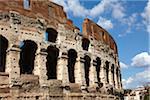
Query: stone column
{"points": [[110, 74], [12, 64], [92, 74], [79, 70], [116, 78], [40, 65], [62, 69], [103, 72]]}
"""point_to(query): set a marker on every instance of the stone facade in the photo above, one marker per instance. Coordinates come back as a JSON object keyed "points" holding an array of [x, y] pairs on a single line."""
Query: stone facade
{"points": [[45, 57]]}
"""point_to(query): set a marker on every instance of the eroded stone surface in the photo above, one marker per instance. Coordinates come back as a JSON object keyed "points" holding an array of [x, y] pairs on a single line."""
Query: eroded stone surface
{"points": [[65, 64]]}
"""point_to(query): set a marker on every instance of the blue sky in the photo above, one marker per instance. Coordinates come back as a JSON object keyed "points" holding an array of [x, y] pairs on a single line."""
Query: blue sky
{"points": [[128, 21]]}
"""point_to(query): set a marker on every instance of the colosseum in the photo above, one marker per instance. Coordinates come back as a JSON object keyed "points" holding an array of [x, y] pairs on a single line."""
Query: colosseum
{"points": [[43, 56]]}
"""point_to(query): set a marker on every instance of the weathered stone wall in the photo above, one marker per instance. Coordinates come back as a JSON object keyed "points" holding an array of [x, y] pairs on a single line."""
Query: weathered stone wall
{"points": [[92, 72]]}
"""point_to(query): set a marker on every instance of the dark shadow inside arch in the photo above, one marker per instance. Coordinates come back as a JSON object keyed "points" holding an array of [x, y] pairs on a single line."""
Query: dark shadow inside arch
{"points": [[98, 61], [107, 71], [27, 57], [85, 44], [72, 55], [51, 63], [87, 64], [51, 34], [3, 48], [112, 71], [117, 74]]}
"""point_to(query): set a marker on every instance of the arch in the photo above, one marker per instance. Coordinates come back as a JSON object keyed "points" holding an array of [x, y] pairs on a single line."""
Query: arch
{"points": [[27, 56], [72, 55], [26, 4], [87, 64], [98, 63], [3, 48], [107, 71], [117, 74], [85, 44], [112, 71], [51, 35], [51, 63]]}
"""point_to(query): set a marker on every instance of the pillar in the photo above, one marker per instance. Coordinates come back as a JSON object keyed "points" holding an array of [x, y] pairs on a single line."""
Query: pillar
{"points": [[103, 72], [110, 74], [79, 70], [92, 73], [62, 70], [12, 64], [40, 65]]}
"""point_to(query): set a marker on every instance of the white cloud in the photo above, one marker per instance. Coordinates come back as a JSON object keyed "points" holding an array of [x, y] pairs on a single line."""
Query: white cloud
{"points": [[138, 79], [118, 11], [100, 8], [123, 65], [107, 24], [146, 16], [142, 59], [78, 10]]}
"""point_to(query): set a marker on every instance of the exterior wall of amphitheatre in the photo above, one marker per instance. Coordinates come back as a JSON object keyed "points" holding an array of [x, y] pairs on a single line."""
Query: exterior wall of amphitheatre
{"points": [[45, 57]]}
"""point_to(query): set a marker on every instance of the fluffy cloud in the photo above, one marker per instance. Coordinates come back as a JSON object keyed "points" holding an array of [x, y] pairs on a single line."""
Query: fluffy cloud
{"points": [[78, 10], [137, 80], [142, 59], [118, 11], [123, 65], [107, 24], [146, 16]]}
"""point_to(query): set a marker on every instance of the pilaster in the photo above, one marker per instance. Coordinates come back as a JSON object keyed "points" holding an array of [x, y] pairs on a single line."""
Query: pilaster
{"points": [[79, 70], [12, 65], [40, 65], [103, 72], [62, 69], [110, 74], [92, 73]]}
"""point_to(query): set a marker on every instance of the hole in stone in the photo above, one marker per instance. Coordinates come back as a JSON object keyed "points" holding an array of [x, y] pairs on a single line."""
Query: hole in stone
{"points": [[72, 55], [3, 48], [27, 56], [85, 44], [51, 63], [87, 64]]}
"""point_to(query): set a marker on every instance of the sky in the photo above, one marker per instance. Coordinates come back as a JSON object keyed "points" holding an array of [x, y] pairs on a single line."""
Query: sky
{"points": [[128, 22]]}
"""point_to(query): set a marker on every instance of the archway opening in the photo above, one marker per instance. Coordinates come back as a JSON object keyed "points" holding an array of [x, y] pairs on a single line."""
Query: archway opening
{"points": [[86, 68], [51, 35], [112, 71], [117, 74], [107, 71], [27, 56], [98, 61], [72, 55], [85, 44], [51, 63], [3, 48]]}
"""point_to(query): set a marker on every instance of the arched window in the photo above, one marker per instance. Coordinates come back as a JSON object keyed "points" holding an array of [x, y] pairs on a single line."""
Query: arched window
{"points": [[51, 63], [26, 4], [51, 35], [112, 71], [85, 44], [72, 55], [87, 64], [27, 56], [98, 63], [107, 71], [3, 48]]}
